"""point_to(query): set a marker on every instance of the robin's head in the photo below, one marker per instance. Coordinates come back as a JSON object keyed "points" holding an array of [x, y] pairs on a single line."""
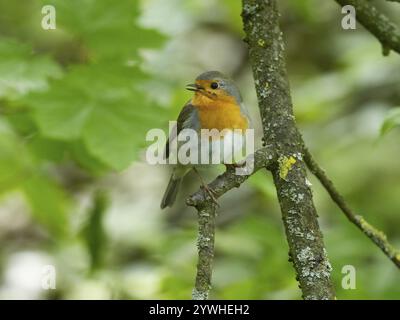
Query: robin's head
{"points": [[214, 85]]}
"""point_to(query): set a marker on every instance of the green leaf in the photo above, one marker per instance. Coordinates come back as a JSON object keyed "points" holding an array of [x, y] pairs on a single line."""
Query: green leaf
{"points": [[48, 202], [93, 232], [101, 105], [85, 160], [392, 120], [14, 160], [45, 149], [20, 171], [106, 27], [21, 122], [21, 71]]}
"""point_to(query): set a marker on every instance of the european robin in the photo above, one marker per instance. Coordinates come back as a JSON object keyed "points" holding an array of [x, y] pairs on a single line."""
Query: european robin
{"points": [[217, 106]]}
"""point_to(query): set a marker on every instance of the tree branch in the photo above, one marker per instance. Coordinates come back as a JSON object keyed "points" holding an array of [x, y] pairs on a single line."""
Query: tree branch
{"points": [[205, 246], [229, 179], [377, 236], [206, 210], [377, 23], [283, 156], [266, 51]]}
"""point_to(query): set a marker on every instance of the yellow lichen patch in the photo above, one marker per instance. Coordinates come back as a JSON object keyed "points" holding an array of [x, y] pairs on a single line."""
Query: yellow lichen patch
{"points": [[261, 42], [371, 230], [285, 164]]}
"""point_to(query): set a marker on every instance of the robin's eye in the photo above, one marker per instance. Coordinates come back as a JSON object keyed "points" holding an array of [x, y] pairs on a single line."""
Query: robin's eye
{"points": [[214, 85]]}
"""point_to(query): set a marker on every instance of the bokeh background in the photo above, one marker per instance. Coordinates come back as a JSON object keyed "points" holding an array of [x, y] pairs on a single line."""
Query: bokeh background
{"points": [[76, 192]]}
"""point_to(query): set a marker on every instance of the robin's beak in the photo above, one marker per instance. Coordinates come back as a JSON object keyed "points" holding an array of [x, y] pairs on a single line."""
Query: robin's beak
{"points": [[193, 87]]}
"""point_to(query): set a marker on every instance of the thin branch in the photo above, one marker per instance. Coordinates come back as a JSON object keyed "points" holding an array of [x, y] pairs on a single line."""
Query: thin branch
{"points": [[229, 179], [266, 52], [205, 246], [377, 23], [377, 236], [206, 209]]}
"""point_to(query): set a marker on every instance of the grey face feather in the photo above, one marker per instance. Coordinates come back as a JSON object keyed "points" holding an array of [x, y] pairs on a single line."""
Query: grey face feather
{"points": [[224, 82], [211, 75]]}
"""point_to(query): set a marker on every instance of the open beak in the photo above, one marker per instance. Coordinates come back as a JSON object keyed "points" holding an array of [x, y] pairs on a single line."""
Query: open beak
{"points": [[193, 87]]}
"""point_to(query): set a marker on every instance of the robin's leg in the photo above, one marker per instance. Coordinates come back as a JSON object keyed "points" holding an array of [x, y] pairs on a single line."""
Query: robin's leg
{"points": [[206, 188]]}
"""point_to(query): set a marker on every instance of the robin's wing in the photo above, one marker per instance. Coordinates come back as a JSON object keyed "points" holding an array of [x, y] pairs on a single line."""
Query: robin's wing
{"points": [[187, 119]]}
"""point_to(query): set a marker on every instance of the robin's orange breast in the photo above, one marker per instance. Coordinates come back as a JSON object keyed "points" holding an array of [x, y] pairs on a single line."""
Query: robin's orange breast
{"points": [[221, 113]]}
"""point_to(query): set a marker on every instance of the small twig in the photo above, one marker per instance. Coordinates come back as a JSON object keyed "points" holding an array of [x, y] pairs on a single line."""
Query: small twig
{"points": [[377, 236], [377, 23]]}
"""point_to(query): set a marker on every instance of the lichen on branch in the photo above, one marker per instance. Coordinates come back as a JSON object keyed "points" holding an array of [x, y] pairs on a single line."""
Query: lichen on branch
{"points": [[285, 155], [377, 236], [377, 23], [206, 210], [267, 57]]}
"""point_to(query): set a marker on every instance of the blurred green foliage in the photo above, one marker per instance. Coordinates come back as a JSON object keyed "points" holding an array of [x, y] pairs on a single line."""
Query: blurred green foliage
{"points": [[392, 120], [75, 106]]}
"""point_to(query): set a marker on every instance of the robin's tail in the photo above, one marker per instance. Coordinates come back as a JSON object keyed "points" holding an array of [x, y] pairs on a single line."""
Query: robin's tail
{"points": [[171, 192]]}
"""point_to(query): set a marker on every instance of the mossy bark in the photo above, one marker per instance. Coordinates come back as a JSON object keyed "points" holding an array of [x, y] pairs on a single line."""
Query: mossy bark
{"points": [[377, 23], [205, 246], [283, 155], [266, 50]]}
